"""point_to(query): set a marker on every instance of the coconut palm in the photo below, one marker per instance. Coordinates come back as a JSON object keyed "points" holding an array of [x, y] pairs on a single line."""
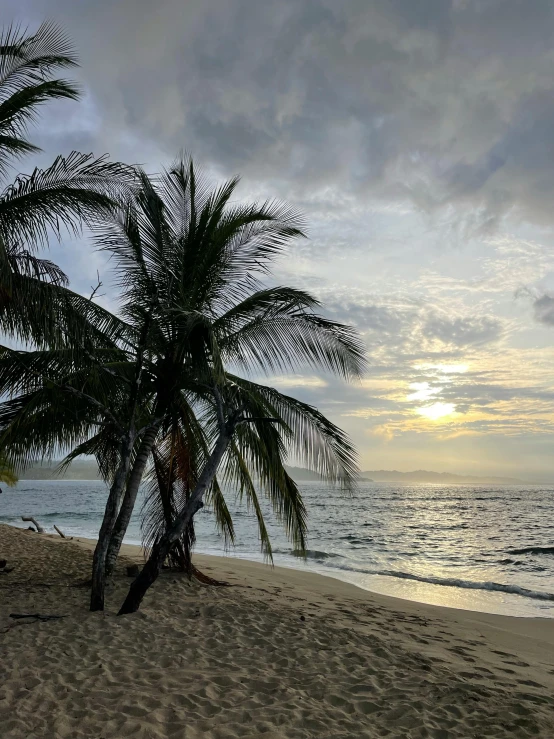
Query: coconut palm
{"points": [[200, 327], [189, 265], [72, 191], [35, 303], [80, 398]]}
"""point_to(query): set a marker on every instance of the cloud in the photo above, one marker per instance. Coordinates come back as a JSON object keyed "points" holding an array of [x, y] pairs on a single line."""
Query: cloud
{"points": [[411, 102], [462, 331], [433, 327], [544, 310], [297, 381], [417, 139]]}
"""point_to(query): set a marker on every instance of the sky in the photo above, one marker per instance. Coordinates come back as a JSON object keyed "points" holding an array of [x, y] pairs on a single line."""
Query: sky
{"points": [[416, 136]]}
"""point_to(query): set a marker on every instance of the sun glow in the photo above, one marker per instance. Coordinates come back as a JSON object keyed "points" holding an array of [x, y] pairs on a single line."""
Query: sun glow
{"points": [[437, 410], [445, 369], [422, 391]]}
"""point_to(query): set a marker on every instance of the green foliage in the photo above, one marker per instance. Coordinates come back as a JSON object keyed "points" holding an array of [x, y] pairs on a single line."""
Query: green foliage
{"points": [[73, 191], [7, 473], [189, 262], [194, 312]]}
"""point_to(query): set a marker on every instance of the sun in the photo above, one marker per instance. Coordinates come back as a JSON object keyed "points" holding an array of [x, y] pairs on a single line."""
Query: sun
{"points": [[437, 410]]}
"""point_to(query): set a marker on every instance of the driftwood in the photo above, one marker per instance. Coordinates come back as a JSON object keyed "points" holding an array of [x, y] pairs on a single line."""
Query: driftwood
{"points": [[37, 616], [61, 533], [206, 579], [32, 520], [20, 619]]}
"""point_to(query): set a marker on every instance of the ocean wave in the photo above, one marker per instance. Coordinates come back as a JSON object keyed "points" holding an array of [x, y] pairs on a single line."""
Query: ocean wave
{"points": [[309, 554], [532, 550], [93, 517], [458, 583], [352, 539]]}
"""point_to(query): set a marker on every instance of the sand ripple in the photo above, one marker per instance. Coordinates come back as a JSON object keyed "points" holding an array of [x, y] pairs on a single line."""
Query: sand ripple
{"points": [[278, 654]]}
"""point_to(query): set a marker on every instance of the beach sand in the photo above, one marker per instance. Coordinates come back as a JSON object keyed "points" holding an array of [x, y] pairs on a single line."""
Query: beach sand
{"points": [[279, 653]]}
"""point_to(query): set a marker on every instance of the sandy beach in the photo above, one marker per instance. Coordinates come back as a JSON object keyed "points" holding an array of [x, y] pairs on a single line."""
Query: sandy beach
{"points": [[278, 653]]}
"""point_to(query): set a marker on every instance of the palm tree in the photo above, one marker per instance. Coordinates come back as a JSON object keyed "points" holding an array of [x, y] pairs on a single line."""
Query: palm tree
{"points": [[80, 398], [189, 264], [35, 303], [72, 191], [195, 315]]}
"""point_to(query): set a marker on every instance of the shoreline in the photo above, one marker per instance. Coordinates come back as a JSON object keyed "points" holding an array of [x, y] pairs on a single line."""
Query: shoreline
{"points": [[442, 566], [501, 600], [227, 562], [280, 653], [490, 601]]}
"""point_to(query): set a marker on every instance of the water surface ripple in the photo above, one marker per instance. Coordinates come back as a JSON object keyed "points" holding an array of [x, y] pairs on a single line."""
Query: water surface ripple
{"points": [[480, 547]]}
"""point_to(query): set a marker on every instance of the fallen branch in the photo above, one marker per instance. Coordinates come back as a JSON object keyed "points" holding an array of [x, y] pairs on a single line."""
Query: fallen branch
{"points": [[61, 533], [37, 616], [206, 579], [40, 530]]}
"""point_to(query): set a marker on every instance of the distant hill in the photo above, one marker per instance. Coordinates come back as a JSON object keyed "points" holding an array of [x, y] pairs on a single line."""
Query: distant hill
{"points": [[439, 477], [80, 469], [86, 469], [301, 474]]}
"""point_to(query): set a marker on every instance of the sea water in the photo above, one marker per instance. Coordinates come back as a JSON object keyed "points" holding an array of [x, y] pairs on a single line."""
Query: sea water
{"points": [[477, 547]]}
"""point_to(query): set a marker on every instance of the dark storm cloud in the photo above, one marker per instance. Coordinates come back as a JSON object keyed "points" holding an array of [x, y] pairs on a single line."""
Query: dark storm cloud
{"points": [[436, 102]]}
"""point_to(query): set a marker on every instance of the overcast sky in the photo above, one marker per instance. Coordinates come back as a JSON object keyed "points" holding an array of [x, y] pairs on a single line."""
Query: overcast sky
{"points": [[418, 138]]}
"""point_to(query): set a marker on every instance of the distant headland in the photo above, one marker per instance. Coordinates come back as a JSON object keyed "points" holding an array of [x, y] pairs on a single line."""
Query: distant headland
{"points": [[438, 477], [86, 469]]}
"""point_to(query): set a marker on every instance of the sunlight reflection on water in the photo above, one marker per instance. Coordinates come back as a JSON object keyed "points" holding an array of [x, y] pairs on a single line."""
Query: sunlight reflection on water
{"points": [[446, 545]]}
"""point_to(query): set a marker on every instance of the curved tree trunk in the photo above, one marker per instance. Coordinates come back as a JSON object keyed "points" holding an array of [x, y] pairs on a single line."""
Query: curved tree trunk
{"points": [[161, 549], [130, 497], [108, 523]]}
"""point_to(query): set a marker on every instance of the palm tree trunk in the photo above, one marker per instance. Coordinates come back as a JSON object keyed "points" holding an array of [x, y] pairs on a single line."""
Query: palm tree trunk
{"points": [[124, 516], [108, 523], [161, 549]]}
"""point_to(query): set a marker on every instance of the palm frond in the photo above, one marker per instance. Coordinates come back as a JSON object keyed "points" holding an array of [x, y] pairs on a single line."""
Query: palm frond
{"points": [[30, 431], [264, 451], [238, 475], [27, 63], [284, 342], [48, 314], [22, 262], [25, 58], [7, 472], [311, 438], [171, 481], [103, 446], [73, 190]]}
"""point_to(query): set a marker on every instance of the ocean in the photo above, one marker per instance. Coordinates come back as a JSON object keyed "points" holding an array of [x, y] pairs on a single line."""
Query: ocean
{"points": [[476, 547]]}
